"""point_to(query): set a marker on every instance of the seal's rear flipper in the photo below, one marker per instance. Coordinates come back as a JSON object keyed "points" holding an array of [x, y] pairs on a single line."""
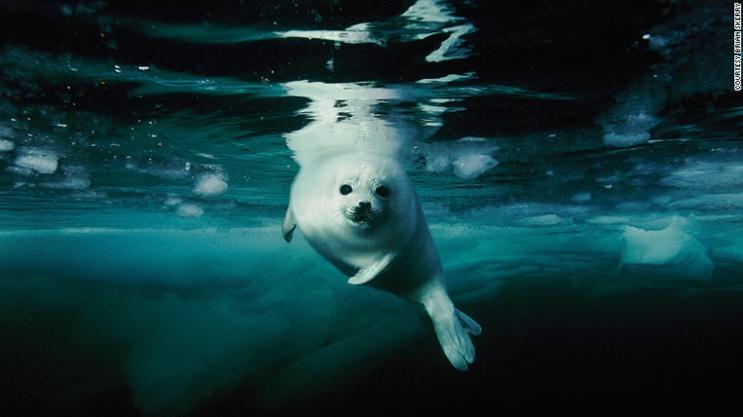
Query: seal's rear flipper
{"points": [[453, 329], [287, 229], [455, 341], [469, 324]]}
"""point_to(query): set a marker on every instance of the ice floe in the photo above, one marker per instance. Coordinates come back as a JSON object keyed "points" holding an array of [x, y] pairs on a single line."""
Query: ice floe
{"points": [[467, 157], [188, 210], [75, 178], [6, 145], [667, 253], [210, 185], [40, 161]]}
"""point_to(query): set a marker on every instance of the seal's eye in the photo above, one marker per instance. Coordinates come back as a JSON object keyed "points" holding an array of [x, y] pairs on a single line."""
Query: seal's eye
{"points": [[346, 189], [382, 191]]}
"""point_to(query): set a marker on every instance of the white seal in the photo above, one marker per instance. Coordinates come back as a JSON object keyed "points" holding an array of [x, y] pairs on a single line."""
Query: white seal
{"points": [[360, 211]]}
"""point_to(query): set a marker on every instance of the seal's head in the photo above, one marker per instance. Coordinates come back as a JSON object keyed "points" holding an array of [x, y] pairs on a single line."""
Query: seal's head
{"points": [[363, 200], [368, 191]]}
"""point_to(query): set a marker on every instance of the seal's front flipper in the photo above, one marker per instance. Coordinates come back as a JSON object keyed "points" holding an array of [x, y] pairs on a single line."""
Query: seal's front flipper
{"points": [[287, 229], [372, 271]]}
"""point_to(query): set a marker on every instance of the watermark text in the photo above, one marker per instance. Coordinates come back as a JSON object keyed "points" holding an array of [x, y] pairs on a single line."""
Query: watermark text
{"points": [[736, 46]]}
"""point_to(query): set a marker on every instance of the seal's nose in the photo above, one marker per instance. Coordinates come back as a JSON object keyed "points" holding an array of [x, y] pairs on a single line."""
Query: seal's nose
{"points": [[364, 205]]}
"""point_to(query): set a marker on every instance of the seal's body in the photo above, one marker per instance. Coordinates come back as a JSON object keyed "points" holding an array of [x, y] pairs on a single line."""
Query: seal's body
{"points": [[360, 211]]}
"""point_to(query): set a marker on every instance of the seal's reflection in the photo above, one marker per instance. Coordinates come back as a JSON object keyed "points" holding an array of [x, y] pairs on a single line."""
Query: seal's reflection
{"points": [[356, 206]]}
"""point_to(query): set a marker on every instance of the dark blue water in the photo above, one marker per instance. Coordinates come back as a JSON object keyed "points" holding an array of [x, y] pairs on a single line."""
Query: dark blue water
{"points": [[580, 167]]}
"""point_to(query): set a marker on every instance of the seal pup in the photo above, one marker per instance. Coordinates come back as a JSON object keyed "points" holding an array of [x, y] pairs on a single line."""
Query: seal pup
{"points": [[359, 210]]}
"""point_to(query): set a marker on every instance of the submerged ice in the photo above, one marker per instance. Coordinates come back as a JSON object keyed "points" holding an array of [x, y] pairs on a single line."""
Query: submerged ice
{"points": [[209, 308], [670, 252]]}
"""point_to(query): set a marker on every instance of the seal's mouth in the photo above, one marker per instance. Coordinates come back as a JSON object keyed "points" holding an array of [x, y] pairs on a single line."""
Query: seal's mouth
{"points": [[361, 216]]}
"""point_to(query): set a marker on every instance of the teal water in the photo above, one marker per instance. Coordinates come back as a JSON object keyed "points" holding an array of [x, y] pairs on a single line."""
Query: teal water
{"points": [[587, 207]]}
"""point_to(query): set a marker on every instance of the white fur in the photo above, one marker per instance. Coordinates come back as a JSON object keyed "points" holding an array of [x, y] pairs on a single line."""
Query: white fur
{"points": [[393, 251]]}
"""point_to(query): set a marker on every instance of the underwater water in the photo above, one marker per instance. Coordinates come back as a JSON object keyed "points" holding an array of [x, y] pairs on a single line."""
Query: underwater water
{"points": [[580, 169]]}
